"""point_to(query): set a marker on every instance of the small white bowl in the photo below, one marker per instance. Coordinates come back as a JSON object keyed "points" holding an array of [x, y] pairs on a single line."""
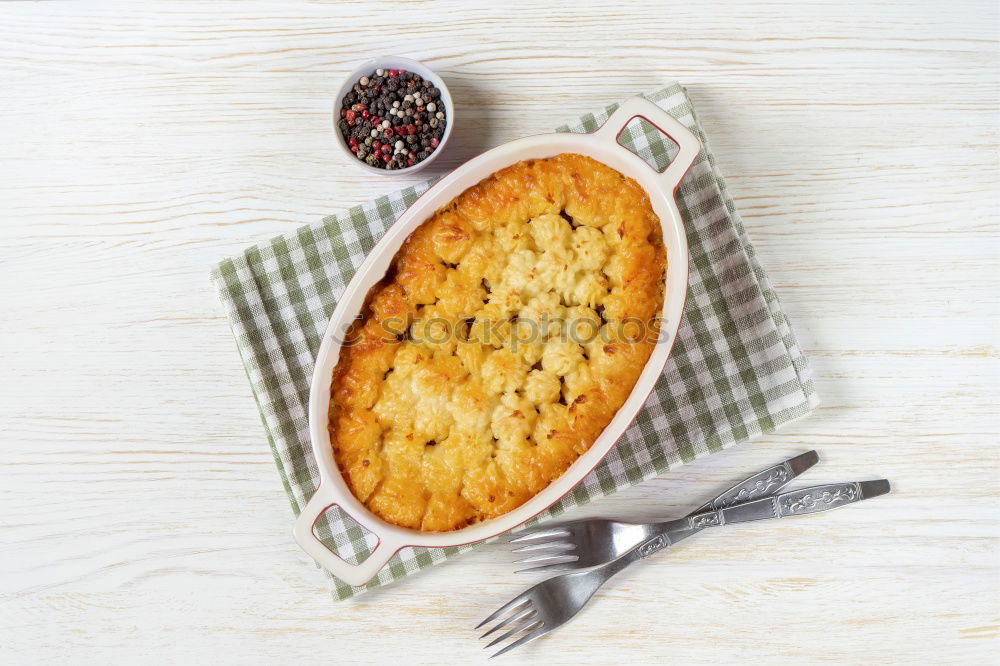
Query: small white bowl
{"points": [[392, 62]]}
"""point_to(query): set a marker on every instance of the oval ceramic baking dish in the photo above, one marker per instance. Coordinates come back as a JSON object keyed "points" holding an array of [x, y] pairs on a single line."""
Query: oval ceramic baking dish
{"points": [[601, 145]]}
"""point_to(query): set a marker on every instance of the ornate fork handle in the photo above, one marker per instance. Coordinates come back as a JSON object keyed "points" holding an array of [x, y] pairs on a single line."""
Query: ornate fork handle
{"points": [[817, 499], [762, 484], [791, 503]]}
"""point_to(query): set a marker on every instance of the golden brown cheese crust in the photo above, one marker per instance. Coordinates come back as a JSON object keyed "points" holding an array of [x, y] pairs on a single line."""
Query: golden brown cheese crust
{"points": [[511, 327]]}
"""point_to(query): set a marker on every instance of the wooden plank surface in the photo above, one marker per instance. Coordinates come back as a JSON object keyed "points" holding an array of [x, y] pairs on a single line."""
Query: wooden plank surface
{"points": [[141, 514]]}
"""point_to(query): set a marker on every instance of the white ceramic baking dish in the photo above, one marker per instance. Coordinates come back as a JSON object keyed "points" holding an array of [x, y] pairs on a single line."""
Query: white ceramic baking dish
{"points": [[601, 145]]}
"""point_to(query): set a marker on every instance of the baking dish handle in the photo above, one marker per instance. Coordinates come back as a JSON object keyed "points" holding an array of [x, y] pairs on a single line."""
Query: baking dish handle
{"points": [[687, 142], [352, 574]]}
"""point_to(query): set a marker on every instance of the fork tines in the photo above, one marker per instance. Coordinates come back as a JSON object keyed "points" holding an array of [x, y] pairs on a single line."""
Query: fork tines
{"points": [[537, 533], [520, 619], [556, 543], [548, 549]]}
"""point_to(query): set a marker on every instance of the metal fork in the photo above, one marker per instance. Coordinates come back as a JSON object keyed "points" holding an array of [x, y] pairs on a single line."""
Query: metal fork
{"points": [[581, 544], [551, 603]]}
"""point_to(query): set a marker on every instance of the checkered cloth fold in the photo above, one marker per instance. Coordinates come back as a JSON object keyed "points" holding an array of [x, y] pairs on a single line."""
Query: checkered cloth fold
{"points": [[735, 372]]}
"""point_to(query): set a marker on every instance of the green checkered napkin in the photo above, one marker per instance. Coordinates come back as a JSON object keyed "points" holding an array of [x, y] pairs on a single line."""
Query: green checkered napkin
{"points": [[735, 372]]}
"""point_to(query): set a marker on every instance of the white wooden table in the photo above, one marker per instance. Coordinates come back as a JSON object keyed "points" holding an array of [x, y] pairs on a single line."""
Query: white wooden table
{"points": [[141, 517]]}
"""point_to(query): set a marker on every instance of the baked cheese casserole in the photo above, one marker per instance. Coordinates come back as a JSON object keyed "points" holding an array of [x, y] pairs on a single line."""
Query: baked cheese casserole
{"points": [[510, 328]]}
